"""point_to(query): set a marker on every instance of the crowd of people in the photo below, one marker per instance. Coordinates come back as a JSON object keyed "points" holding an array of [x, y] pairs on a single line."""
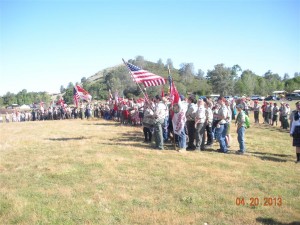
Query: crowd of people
{"points": [[191, 123]]}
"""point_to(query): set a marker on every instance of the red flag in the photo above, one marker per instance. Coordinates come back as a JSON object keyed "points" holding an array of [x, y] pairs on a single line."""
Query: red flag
{"points": [[145, 77], [83, 94], [60, 102], [76, 97], [174, 95]]}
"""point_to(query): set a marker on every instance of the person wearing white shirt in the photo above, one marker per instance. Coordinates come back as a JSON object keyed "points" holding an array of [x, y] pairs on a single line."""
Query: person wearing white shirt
{"points": [[200, 121], [190, 121], [159, 117], [220, 128]]}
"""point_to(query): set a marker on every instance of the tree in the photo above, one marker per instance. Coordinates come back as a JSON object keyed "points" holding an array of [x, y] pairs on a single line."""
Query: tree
{"points": [[170, 64], [187, 72], [70, 86], [9, 98], [249, 82], [140, 61], [1, 102], [200, 74], [292, 84], [62, 89], [160, 63], [270, 76], [286, 77], [296, 74], [221, 79], [68, 96], [235, 70]]}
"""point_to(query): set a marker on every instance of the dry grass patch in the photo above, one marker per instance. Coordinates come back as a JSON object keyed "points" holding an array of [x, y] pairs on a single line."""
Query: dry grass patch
{"points": [[97, 172]]}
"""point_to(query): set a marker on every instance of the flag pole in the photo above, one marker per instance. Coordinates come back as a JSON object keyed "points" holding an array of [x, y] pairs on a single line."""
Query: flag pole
{"points": [[170, 80]]}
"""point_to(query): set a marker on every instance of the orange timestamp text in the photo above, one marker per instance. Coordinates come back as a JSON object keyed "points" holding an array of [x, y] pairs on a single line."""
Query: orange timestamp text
{"points": [[255, 201]]}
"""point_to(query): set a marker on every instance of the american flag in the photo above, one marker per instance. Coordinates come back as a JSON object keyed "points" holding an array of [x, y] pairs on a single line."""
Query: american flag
{"points": [[143, 76], [76, 97]]}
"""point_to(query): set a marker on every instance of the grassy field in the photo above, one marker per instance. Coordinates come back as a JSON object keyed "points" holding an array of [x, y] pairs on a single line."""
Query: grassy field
{"points": [[97, 172]]}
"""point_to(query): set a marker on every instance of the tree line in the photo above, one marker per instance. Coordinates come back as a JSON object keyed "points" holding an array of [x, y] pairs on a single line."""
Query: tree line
{"points": [[220, 80]]}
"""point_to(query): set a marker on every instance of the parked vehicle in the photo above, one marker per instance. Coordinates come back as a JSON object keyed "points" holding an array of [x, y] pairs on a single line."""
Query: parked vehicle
{"points": [[292, 96], [271, 98], [255, 97]]}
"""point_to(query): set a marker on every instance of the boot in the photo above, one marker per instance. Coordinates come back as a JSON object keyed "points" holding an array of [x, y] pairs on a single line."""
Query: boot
{"points": [[298, 158]]}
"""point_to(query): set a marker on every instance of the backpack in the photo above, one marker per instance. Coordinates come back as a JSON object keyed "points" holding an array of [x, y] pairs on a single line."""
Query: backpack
{"points": [[247, 121]]}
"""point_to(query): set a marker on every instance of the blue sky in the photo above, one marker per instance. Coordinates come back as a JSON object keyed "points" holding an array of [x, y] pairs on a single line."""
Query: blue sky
{"points": [[45, 44]]}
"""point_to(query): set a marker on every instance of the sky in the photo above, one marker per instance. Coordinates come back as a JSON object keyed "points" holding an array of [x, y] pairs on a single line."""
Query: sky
{"points": [[45, 44]]}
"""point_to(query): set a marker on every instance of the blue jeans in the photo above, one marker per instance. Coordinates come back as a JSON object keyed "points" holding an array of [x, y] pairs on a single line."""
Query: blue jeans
{"points": [[221, 134], [182, 139], [165, 129], [241, 138]]}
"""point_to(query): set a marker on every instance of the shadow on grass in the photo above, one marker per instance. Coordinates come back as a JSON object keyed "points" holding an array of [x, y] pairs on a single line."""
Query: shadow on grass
{"points": [[103, 124], [270, 156], [274, 128], [135, 139], [68, 139], [262, 153], [268, 221]]}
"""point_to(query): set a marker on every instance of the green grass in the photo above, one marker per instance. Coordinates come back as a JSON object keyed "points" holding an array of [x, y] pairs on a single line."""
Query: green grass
{"points": [[97, 172]]}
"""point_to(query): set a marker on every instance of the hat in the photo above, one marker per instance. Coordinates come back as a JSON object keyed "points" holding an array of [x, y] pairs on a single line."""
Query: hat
{"points": [[221, 98], [158, 97], [182, 97], [239, 106]]}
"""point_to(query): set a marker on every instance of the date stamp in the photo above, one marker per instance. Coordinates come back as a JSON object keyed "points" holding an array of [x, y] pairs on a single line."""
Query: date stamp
{"points": [[255, 201]]}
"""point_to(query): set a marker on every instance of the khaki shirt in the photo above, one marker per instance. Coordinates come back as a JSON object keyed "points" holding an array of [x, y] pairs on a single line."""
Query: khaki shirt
{"points": [[222, 113]]}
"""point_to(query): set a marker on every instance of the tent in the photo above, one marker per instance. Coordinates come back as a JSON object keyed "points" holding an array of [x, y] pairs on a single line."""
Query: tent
{"points": [[24, 107], [278, 93]]}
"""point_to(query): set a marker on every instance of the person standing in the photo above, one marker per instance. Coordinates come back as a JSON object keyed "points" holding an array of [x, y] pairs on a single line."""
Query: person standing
{"points": [[190, 122], [178, 121], [256, 109], [275, 114], [227, 124], [200, 120], [233, 109], [295, 131], [209, 122], [240, 122], [147, 122], [220, 127], [7, 117], [166, 120], [284, 116], [159, 117]]}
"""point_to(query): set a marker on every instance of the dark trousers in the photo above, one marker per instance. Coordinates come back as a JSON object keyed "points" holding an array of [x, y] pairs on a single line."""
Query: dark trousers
{"points": [[256, 116], [191, 133], [200, 136], [147, 134], [209, 134], [158, 132]]}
